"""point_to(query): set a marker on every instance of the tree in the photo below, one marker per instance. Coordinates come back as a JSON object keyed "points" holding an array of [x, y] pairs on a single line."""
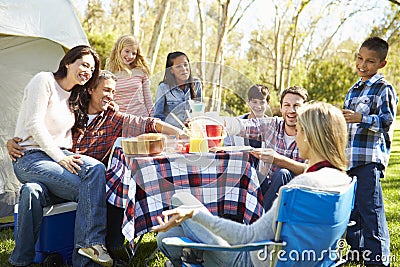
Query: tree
{"points": [[102, 43], [301, 35], [95, 15], [329, 80], [396, 2], [120, 13], [135, 17], [225, 24], [155, 41], [389, 29], [202, 38]]}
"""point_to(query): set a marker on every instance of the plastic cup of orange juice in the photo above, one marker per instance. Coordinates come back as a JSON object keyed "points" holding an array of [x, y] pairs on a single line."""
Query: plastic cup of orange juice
{"points": [[198, 145]]}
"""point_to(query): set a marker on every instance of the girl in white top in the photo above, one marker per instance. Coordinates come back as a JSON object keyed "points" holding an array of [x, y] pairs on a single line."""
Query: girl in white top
{"points": [[133, 87], [321, 137], [44, 123]]}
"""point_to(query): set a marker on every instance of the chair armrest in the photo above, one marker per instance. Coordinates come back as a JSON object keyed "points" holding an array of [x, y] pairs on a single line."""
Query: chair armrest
{"points": [[188, 243]]}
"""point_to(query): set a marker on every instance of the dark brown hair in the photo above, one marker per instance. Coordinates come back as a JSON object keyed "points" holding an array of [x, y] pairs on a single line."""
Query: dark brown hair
{"points": [[81, 114], [259, 91], [170, 79], [378, 45], [296, 90], [78, 91]]}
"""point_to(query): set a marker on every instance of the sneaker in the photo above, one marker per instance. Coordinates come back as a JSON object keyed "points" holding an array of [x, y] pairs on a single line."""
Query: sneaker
{"points": [[98, 253]]}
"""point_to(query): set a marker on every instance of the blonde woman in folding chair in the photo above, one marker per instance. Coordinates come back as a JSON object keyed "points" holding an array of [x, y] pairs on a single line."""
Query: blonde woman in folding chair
{"points": [[321, 137]]}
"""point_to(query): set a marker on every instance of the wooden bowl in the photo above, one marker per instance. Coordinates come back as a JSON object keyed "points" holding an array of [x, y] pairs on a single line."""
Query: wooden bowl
{"points": [[146, 144]]}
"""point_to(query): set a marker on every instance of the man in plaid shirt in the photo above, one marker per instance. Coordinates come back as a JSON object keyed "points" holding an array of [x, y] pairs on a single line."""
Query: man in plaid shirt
{"points": [[281, 155], [370, 111], [95, 131]]}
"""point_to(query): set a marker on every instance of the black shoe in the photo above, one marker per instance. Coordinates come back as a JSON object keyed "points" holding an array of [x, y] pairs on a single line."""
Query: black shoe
{"points": [[121, 254]]}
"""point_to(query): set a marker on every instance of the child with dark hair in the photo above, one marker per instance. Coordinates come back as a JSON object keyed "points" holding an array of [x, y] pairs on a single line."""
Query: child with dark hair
{"points": [[258, 98], [370, 110], [177, 87]]}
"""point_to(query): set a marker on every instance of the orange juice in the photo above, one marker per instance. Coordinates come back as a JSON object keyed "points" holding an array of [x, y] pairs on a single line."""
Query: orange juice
{"points": [[198, 144]]}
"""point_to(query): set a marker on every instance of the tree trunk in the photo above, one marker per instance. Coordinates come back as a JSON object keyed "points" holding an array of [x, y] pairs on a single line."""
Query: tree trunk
{"points": [[135, 18], [277, 47], [158, 32], [217, 69], [202, 41], [293, 41]]}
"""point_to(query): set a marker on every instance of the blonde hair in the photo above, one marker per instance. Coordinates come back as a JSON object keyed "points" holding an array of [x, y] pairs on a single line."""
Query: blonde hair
{"points": [[325, 129], [115, 63]]}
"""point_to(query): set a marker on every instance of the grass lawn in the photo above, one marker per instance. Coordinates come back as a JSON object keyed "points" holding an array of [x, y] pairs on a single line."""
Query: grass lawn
{"points": [[391, 191]]}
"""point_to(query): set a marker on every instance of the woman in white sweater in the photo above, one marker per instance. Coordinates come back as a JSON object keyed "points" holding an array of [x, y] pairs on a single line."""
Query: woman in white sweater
{"points": [[44, 124], [321, 137]]}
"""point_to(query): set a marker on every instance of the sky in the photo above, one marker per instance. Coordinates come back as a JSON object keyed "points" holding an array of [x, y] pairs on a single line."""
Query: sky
{"points": [[261, 12]]}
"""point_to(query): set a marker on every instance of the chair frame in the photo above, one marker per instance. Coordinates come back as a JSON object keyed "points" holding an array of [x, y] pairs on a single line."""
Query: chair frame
{"points": [[263, 246]]}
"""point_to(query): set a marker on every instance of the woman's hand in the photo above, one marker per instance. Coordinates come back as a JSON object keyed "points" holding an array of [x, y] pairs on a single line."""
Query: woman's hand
{"points": [[178, 215], [70, 163], [265, 154], [14, 150]]}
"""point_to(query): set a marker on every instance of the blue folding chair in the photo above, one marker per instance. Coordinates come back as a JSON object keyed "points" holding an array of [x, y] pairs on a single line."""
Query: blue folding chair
{"points": [[310, 224]]}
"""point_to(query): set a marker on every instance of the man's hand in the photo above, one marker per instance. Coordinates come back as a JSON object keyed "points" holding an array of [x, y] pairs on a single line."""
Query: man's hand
{"points": [[183, 134], [265, 154], [178, 215], [14, 150], [351, 116], [70, 163], [113, 105]]}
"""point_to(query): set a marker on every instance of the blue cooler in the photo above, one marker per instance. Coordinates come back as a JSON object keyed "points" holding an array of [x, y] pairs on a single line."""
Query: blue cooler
{"points": [[55, 244]]}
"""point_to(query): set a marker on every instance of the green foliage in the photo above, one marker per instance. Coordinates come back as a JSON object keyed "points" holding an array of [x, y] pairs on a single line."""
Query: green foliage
{"points": [[329, 80], [235, 103], [388, 29], [102, 43]]}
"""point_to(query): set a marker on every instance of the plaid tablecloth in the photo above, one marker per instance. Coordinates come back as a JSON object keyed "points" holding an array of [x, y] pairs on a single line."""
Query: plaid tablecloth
{"points": [[226, 183]]}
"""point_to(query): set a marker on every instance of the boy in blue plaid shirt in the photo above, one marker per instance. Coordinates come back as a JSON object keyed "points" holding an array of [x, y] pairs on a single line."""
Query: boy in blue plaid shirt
{"points": [[370, 112]]}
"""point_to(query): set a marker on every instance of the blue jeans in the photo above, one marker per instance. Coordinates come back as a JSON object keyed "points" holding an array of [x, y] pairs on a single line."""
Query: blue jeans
{"points": [[370, 232], [279, 178], [199, 233], [45, 180]]}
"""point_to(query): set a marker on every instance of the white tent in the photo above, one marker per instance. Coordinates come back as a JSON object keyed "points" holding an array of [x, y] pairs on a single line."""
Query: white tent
{"points": [[34, 35]]}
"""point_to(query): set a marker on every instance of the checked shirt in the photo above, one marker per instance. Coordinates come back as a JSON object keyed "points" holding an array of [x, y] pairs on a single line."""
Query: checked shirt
{"points": [[272, 131], [370, 140], [99, 136]]}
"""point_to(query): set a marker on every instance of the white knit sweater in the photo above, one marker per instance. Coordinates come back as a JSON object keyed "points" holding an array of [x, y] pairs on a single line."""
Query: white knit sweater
{"points": [[45, 119]]}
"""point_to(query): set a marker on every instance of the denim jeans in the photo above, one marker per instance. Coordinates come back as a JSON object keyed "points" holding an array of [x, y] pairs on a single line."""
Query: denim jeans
{"points": [[278, 179], [370, 233], [199, 233], [47, 180]]}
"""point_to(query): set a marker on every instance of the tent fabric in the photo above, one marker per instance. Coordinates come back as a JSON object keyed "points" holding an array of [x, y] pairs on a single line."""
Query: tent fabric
{"points": [[34, 36], [55, 20]]}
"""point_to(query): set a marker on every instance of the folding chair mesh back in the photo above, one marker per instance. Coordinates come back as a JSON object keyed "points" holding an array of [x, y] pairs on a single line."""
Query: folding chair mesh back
{"points": [[312, 222]]}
